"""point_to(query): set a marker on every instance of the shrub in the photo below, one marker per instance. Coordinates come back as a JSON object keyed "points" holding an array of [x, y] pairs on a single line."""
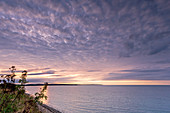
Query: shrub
{"points": [[13, 98]]}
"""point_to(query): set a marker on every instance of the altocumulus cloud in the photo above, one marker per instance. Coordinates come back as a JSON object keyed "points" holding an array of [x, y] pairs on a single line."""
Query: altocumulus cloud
{"points": [[65, 33]]}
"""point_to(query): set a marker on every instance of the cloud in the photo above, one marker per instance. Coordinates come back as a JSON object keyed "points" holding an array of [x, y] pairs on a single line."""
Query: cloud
{"points": [[73, 31], [154, 44], [57, 75], [144, 70], [83, 34], [3, 74], [140, 74], [45, 72], [18, 71], [93, 70], [63, 70], [51, 80], [38, 69], [163, 62]]}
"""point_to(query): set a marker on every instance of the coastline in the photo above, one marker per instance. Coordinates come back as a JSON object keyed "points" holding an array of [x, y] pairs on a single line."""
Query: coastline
{"points": [[45, 108]]}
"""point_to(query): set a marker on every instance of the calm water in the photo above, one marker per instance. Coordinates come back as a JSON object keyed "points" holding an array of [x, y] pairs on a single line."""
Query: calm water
{"points": [[108, 99]]}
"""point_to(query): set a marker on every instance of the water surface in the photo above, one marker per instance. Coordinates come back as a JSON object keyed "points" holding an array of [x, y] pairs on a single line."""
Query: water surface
{"points": [[108, 99]]}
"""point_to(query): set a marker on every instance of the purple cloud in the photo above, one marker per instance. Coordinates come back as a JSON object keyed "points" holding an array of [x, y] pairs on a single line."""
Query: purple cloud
{"points": [[84, 34]]}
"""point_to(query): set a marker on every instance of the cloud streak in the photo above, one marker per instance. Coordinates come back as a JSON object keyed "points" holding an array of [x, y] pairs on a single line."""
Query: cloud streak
{"points": [[140, 74]]}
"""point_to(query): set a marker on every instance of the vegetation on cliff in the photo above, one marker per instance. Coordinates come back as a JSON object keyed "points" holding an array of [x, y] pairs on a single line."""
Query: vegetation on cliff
{"points": [[13, 98]]}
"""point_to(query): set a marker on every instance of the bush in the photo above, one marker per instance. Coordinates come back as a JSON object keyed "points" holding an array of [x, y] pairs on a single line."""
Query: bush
{"points": [[13, 98]]}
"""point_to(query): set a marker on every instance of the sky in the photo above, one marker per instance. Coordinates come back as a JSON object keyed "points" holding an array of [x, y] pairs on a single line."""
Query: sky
{"points": [[110, 42]]}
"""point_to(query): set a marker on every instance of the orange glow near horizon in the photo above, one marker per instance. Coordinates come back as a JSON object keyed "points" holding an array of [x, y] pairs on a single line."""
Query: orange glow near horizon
{"points": [[136, 82], [123, 82], [81, 77]]}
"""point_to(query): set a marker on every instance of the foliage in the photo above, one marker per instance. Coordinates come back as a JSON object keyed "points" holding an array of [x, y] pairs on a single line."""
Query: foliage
{"points": [[13, 98], [41, 95]]}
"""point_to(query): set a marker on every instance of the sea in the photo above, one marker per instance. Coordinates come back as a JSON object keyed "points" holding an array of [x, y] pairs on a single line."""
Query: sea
{"points": [[107, 99]]}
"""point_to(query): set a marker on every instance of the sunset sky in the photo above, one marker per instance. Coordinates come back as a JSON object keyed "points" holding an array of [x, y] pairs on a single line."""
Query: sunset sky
{"points": [[110, 42]]}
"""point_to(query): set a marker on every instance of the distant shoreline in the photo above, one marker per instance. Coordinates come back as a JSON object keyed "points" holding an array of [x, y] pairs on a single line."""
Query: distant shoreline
{"points": [[63, 85], [90, 85]]}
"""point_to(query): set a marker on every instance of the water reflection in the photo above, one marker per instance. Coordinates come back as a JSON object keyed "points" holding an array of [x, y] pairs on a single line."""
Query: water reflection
{"points": [[34, 89]]}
